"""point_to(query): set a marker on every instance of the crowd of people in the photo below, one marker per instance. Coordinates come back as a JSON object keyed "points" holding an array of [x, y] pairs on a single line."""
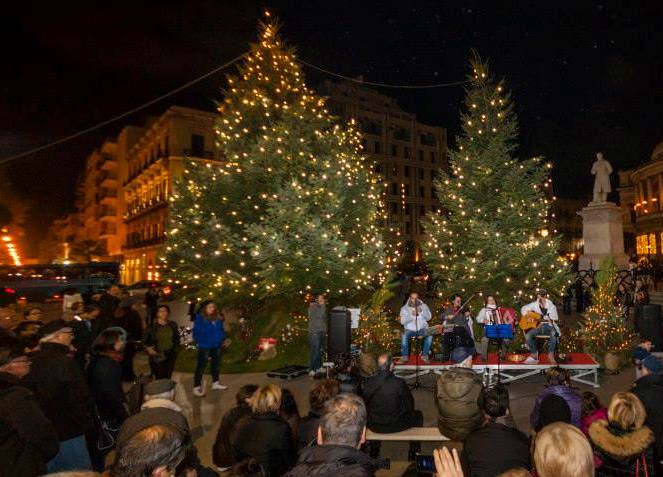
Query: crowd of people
{"points": [[67, 386], [64, 408]]}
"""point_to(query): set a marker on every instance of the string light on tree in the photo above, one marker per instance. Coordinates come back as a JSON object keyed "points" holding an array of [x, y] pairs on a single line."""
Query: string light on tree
{"points": [[296, 205], [494, 235]]}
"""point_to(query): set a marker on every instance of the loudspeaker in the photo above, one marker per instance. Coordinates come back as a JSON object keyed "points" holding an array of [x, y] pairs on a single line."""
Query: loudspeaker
{"points": [[648, 324], [339, 332]]}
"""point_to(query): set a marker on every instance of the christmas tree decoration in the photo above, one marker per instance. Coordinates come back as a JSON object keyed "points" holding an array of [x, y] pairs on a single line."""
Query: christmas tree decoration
{"points": [[379, 328], [604, 329], [492, 233], [294, 207]]}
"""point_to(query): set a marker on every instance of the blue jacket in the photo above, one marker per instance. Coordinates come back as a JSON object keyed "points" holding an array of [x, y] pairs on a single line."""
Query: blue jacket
{"points": [[208, 334]]}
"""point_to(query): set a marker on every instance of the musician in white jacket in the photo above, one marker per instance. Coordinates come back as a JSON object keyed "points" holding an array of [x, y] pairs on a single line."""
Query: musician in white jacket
{"points": [[414, 316], [547, 326]]}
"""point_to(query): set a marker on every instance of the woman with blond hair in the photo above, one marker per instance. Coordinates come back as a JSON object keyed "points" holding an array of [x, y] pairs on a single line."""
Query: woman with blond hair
{"points": [[264, 435], [622, 441], [562, 450]]}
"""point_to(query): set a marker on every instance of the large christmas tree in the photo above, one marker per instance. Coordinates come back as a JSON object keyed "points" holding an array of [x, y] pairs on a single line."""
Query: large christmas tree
{"points": [[492, 233], [292, 209]]}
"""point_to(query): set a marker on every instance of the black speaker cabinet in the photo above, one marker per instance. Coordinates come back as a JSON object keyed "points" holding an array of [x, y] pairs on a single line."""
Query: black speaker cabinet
{"points": [[339, 332]]}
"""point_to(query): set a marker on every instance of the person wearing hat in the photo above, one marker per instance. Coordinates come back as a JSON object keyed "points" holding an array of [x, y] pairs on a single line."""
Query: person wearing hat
{"points": [[29, 439], [649, 389], [160, 409], [457, 396], [547, 326], [63, 395]]}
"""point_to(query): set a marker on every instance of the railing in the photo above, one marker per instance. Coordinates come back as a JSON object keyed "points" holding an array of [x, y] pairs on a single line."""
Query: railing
{"points": [[138, 243], [134, 209]]}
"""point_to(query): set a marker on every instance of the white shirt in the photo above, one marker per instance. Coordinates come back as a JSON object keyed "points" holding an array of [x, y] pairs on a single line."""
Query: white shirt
{"points": [[412, 321], [536, 307]]}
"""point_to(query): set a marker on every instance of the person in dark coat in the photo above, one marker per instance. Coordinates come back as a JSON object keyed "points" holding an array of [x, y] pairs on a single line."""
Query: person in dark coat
{"points": [[289, 411], [319, 394], [341, 432], [649, 389], [559, 383], [222, 454], [27, 438], [128, 318], [85, 331], [104, 374], [264, 435], [108, 303], [390, 404], [63, 395], [162, 343], [151, 304], [479, 455]]}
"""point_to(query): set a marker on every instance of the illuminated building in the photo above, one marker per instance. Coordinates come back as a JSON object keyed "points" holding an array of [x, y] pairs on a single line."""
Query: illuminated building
{"points": [[640, 195], [148, 176], [406, 153]]}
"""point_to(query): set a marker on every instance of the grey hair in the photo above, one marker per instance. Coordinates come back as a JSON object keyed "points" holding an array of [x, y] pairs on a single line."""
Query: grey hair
{"points": [[384, 361], [343, 420]]}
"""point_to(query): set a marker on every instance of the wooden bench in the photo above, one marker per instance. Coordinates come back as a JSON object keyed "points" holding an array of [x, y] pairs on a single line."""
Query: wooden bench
{"points": [[430, 434]]}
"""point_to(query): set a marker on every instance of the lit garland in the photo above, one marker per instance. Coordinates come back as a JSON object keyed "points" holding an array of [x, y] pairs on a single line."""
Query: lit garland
{"points": [[491, 233], [295, 207]]}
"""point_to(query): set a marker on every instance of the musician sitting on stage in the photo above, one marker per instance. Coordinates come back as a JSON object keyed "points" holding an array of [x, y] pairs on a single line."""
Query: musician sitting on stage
{"points": [[414, 316], [457, 327], [547, 326], [490, 315]]}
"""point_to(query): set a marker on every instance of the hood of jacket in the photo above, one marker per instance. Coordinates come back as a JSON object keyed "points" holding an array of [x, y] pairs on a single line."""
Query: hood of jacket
{"points": [[161, 402], [620, 444], [457, 383]]}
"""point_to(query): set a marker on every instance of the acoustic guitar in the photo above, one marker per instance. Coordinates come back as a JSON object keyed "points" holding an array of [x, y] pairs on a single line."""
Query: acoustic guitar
{"points": [[530, 320]]}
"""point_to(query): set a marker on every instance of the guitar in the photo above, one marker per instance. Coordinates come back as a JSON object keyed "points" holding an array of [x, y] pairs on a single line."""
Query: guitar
{"points": [[530, 320]]}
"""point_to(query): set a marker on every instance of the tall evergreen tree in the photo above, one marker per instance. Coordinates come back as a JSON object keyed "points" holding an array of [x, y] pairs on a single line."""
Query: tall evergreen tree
{"points": [[492, 233], [292, 209]]}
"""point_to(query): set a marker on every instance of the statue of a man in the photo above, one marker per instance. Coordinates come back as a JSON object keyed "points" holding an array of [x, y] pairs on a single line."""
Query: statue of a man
{"points": [[601, 169]]}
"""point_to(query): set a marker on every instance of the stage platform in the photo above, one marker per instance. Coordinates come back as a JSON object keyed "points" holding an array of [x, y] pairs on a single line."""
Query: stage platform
{"points": [[583, 368]]}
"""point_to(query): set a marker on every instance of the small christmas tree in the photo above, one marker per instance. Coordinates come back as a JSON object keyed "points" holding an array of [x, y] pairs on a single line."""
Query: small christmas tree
{"points": [[294, 207], [492, 233], [604, 328]]}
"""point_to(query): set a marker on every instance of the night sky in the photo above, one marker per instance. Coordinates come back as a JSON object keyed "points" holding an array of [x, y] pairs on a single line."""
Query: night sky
{"points": [[583, 78]]}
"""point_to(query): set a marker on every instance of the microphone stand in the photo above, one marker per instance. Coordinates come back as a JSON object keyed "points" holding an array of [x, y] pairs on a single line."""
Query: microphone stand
{"points": [[417, 383]]}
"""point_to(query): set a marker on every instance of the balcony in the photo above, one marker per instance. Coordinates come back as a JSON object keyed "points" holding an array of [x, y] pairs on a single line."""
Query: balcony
{"points": [[134, 242], [198, 153], [135, 209], [107, 178], [107, 197], [107, 229], [106, 162], [105, 212]]}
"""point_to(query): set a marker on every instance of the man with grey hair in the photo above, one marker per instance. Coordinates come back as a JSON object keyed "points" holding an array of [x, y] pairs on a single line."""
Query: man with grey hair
{"points": [[390, 404], [341, 432]]}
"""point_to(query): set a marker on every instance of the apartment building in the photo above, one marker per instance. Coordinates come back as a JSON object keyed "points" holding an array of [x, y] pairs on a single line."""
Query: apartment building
{"points": [[406, 152], [149, 171]]}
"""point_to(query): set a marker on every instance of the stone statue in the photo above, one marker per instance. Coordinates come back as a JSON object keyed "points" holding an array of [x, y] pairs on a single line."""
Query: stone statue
{"points": [[602, 170]]}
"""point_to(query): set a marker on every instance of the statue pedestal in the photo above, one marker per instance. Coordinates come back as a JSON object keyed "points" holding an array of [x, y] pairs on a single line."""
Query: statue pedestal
{"points": [[603, 235]]}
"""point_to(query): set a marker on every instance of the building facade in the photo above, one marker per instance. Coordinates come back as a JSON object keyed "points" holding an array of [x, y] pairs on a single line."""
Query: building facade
{"points": [[100, 190], [640, 195], [151, 168], [405, 152], [568, 224]]}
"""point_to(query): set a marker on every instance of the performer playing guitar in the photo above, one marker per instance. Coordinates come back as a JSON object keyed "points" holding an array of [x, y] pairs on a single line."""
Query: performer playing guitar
{"points": [[547, 326], [414, 316]]}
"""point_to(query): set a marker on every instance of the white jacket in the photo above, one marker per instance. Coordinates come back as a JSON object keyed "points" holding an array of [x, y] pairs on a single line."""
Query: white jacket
{"points": [[412, 321], [549, 305]]}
